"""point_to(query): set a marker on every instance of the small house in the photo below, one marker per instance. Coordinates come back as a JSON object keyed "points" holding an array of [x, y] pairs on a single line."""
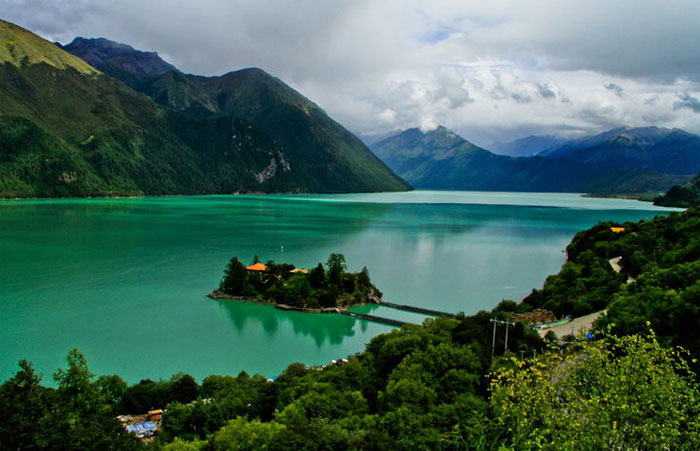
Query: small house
{"points": [[617, 229], [143, 430], [154, 415], [258, 267]]}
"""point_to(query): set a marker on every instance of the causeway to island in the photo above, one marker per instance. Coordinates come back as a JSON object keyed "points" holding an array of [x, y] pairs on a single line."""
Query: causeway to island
{"points": [[329, 289]]}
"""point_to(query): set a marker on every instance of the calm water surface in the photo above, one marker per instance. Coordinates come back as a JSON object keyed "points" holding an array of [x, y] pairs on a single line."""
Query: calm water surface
{"points": [[125, 280]]}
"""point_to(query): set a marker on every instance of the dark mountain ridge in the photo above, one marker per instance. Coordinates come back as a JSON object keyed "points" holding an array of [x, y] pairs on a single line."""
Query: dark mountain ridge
{"points": [[118, 60], [441, 159], [525, 147], [326, 154], [671, 151]]}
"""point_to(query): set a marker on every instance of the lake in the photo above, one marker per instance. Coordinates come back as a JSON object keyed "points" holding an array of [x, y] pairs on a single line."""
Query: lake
{"points": [[125, 280]]}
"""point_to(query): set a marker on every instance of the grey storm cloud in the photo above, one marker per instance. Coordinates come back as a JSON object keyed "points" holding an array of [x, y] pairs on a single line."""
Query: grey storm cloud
{"points": [[546, 92], [520, 98], [478, 67], [617, 89], [687, 101]]}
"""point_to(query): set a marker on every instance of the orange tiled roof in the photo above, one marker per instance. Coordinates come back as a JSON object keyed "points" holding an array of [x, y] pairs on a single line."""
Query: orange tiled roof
{"points": [[257, 267], [617, 229]]}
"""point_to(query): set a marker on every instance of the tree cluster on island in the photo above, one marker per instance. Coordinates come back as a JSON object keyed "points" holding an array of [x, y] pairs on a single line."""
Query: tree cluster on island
{"points": [[284, 284], [435, 386]]}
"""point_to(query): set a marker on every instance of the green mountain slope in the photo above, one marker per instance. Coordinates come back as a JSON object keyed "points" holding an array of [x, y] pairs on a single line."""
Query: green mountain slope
{"points": [[683, 196], [441, 159], [68, 130], [327, 156], [324, 149], [123, 143], [21, 47]]}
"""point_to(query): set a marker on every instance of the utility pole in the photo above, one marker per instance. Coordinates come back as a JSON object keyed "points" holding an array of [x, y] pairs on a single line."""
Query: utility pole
{"points": [[281, 254], [505, 348], [493, 339]]}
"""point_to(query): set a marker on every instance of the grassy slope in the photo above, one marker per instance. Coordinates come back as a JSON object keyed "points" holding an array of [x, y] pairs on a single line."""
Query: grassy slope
{"points": [[21, 47]]}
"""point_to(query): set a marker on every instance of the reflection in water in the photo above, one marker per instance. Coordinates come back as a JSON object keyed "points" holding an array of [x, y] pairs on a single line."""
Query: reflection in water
{"points": [[323, 328]]}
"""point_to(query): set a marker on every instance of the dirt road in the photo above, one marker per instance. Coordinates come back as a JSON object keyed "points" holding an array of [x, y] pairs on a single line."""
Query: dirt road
{"points": [[573, 327]]}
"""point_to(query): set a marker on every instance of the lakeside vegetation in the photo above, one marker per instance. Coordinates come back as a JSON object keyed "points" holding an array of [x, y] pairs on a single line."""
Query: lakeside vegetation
{"points": [[683, 196], [660, 260], [284, 284], [435, 386]]}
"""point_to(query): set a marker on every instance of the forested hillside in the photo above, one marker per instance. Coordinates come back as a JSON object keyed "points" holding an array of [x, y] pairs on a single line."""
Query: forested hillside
{"points": [[326, 156], [68, 130], [683, 196]]}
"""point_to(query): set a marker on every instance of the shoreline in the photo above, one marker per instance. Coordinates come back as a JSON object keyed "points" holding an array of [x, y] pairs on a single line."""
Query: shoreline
{"points": [[641, 197], [219, 296], [235, 193]]}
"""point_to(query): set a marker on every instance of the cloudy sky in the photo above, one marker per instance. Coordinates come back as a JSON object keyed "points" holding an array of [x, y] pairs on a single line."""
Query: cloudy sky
{"points": [[490, 70]]}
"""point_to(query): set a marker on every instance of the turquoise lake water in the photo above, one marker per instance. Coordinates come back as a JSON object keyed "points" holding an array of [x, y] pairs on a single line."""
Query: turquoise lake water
{"points": [[125, 280]]}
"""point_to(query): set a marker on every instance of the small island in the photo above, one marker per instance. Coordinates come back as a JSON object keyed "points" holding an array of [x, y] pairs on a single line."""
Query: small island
{"points": [[318, 290]]}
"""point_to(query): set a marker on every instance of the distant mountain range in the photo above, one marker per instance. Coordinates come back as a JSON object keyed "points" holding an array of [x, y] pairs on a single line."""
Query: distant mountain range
{"points": [[671, 151], [67, 129], [441, 159], [525, 147]]}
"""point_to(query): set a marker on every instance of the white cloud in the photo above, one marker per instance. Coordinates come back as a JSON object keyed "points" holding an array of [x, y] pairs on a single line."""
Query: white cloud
{"points": [[489, 70]]}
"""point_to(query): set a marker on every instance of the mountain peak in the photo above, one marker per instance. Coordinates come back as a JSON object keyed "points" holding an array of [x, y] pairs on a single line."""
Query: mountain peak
{"points": [[100, 43], [119, 60]]}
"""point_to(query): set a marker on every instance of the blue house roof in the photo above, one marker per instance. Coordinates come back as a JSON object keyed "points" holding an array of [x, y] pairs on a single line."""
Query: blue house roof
{"points": [[147, 426]]}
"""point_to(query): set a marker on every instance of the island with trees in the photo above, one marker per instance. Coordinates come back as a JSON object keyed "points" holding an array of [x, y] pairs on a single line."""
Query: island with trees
{"points": [[318, 290]]}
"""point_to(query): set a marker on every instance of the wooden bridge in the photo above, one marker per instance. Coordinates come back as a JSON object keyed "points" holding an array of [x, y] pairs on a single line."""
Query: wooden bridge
{"points": [[424, 311], [395, 322], [376, 319]]}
